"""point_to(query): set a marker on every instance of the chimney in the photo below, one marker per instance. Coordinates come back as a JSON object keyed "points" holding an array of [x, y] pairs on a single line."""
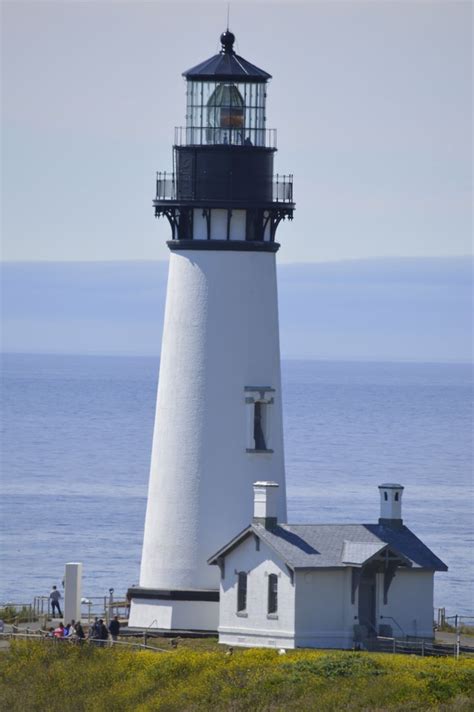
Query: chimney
{"points": [[391, 505], [265, 501]]}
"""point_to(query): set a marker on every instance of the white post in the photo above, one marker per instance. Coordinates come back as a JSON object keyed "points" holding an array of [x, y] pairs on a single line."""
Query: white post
{"points": [[72, 592], [458, 637]]}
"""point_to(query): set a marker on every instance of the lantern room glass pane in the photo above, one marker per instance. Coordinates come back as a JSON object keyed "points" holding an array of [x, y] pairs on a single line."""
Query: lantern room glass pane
{"points": [[225, 112]]}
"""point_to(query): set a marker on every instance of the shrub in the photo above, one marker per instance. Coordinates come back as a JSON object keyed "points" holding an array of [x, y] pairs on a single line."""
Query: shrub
{"points": [[59, 677], [13, 614]]}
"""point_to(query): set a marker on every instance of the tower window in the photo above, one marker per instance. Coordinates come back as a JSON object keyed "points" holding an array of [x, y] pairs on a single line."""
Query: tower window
{"points": [[272, 593], [259, 425], [396, 496], [259, 418], [241, 591], [385, 496]]}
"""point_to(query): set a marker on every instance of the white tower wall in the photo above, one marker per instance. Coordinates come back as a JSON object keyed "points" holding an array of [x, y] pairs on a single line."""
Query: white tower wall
{"points": [[220, 346]]}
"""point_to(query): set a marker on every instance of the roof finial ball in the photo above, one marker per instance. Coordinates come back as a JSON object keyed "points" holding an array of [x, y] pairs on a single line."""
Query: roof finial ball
{"points": [[227, 42]]}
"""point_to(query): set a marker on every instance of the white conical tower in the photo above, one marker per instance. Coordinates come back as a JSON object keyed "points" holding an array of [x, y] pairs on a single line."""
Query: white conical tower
{"points": [[218, 426]]}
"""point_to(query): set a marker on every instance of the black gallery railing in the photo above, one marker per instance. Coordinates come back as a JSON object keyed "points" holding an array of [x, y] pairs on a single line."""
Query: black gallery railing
{"points": [[227, 135], [282, 192]]}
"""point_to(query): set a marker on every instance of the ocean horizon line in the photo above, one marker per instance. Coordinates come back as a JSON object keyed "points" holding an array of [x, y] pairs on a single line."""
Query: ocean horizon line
{"points": [[296, 263], [381, 360]]}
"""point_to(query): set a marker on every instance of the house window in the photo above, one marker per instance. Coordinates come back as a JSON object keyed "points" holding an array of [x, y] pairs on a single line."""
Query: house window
{"points": [[241, 591], [272, 593]]}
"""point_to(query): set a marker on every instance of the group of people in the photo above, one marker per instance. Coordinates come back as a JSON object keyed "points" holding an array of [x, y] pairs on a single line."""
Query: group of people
{"points": [[98, 631], [70, 630]]}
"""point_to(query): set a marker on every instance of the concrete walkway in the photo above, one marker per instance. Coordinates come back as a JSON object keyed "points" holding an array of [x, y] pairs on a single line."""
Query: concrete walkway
{"points": [[450, 639]]}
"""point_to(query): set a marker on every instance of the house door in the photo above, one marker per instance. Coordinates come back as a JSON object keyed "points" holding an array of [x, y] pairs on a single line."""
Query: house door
{"points": [[367, 600]]}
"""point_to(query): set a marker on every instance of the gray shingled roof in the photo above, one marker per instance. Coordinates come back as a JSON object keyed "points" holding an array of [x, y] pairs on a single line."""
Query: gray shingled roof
{"points": [[332, 545]]}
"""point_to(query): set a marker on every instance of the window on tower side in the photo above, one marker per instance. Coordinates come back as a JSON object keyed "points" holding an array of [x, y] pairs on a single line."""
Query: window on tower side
{"points": [[259, 425], [259, 401], [241, 591], [272, 594]]}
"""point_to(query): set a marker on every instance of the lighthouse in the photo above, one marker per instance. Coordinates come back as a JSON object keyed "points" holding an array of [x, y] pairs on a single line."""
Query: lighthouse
{"points": [[218, 425]]}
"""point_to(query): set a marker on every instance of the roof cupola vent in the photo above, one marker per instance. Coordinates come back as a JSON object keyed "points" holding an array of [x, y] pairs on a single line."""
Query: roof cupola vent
{"points": [[391, 504], [265, 504], [227, 42]]}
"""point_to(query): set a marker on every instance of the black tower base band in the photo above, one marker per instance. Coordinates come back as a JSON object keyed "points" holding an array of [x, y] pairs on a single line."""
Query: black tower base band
{"points": [[176, 595], [230, 245]]}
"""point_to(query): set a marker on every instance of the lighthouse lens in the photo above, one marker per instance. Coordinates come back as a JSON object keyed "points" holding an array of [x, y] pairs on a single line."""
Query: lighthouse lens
{"points": [[225, 115], [225, 112]]}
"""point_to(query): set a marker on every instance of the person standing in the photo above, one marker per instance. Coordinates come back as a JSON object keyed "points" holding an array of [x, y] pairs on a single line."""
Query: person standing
{"points": [[54, 597], [79, 631], [114, 628], [94, 629], [103, 632]]}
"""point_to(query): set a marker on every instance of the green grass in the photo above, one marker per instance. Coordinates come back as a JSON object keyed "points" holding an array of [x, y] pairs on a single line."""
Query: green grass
{"points": [[57, 677]]}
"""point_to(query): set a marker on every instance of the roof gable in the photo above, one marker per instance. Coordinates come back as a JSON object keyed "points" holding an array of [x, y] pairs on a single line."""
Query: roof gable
{"points": [[356, 553]]}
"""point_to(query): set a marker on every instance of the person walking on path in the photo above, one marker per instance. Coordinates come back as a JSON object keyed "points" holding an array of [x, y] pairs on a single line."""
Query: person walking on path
{"points": [[103, 632], [114, 628], [54, 597]]}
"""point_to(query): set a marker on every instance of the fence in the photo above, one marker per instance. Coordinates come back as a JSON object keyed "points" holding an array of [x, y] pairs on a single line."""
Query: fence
{"points": [[44, 636], [456, 622], [381, 644], [212, 136], [420, 647], [95, 606], [167, 187]]}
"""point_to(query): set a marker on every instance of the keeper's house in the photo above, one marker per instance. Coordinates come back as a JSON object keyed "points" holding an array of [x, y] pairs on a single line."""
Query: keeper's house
{"points": [[324, 585]]}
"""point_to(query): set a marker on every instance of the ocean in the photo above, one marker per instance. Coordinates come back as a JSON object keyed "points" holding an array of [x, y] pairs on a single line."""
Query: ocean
{"points": [[76, 441]]}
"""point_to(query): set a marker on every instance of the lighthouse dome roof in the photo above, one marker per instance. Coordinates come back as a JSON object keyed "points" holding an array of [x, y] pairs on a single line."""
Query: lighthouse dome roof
{"points": [[227, 65]]}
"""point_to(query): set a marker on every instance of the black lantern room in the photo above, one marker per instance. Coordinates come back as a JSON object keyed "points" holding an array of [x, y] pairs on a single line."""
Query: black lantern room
{"points": [[222, 192]]}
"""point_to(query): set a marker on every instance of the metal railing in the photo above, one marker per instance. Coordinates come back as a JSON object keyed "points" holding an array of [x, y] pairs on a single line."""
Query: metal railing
{"points": [[100, 606], [455, 621], [283, 188], [166, 187], [46, 637], [425, 648], [225, 136]]}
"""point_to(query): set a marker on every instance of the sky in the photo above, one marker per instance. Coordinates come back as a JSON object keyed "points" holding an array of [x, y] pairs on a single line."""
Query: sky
{"points": [[371, 100]]}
